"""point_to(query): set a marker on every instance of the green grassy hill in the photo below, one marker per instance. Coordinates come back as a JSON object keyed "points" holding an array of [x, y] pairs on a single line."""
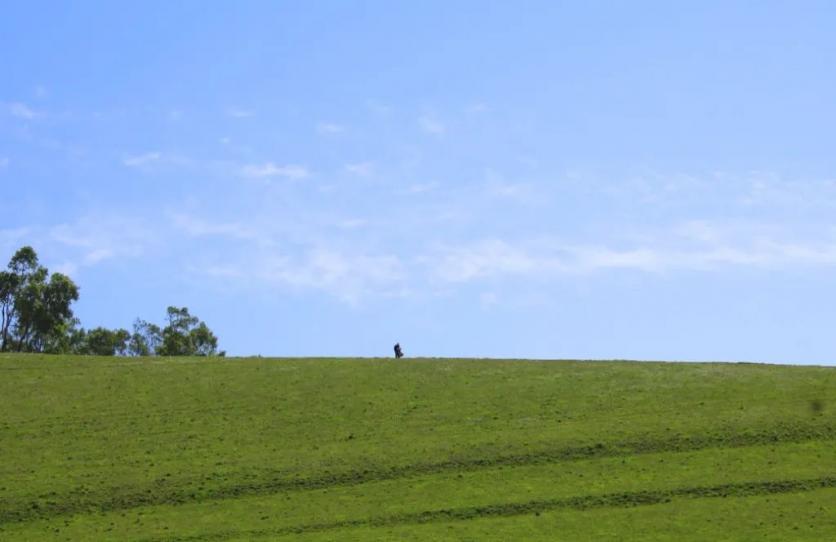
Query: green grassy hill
{"points": [[370, 449]]}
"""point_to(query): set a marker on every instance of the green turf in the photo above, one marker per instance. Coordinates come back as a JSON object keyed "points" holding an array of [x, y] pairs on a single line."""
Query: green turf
{"points": [[364, 449]]}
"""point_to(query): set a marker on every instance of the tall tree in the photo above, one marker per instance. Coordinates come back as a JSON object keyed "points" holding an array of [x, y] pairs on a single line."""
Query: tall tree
{"points": [[145, 340], [8, 288], [186, 335], [35, 308], [36, 316], [104, 342]]}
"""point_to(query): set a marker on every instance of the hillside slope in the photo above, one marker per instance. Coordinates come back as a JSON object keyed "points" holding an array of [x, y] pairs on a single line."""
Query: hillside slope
{"points": [[371, 449]]}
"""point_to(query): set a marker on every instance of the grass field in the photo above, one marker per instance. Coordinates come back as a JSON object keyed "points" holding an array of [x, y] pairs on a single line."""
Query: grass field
{"points": [[370, 449]]}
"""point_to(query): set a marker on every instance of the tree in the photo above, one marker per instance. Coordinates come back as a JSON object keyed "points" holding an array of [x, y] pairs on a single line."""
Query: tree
{"points": [[8, 288], [186, 335], [54, 318], [145, 340], [35, 308], [204, 342], [176, 335], [104, 342], [36, 316]]}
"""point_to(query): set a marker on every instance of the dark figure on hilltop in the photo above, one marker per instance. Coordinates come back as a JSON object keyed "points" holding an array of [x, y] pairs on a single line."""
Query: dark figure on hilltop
{"points": [[398, 351]]}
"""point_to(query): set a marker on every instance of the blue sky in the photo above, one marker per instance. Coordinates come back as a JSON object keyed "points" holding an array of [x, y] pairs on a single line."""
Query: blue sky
{"points": [[645, 180]]}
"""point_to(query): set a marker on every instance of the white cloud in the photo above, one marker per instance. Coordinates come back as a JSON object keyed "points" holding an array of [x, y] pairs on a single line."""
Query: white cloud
{"points": [[488, 299], [744, 191], [420, 188], [98, 255], [484, 259], [270, 169], [495, 186], [700, 230], [378, 108], [361, 169], [66, 268], [196, 227], [221, 271], [476, 108], [593, 258], [293, 255], [545, 259], [23, 111], [11, 239], [87, 242], [770, 190], [515, 191], [352, 223], [329, 128], [140, 160], [349, 276], [100, 238], [239, 113], [431, 125]]}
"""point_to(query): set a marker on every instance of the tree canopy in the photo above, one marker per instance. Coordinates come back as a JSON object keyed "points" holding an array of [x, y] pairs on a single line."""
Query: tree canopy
{"points": [[185, 335], [36, 316], [35, 307]]}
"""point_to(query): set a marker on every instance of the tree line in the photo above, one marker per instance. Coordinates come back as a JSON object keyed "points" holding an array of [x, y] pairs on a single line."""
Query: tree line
{"points": [[36, 316]]}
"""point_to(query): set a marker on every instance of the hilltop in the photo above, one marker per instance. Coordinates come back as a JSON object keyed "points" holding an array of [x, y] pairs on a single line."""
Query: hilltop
{"points": [[416, 449]]}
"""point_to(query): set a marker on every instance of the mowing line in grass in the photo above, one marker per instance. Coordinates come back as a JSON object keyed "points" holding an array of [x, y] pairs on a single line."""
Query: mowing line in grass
{"points": [[584, 502], [79, 502]]}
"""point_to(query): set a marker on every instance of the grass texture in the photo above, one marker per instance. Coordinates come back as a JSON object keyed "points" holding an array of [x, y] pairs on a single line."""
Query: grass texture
{"points": [[417, 449]]}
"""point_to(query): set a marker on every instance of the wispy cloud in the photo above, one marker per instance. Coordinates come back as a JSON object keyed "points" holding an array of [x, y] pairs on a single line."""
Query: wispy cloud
{"points": [[240, 112], [92, 240], [269, 169], [488, 299], [495, 186], [140, 160], [350, 276], [361, 169], [11, 238], [102, 238], [420, 188], [770, 190], [352, 223], [431, 125], [544, 259], [22, 111], [329, 128], [89, 258], [762, 190], [483, 259], [515, 191], [256, 250], [476, 108], [378, 108], [197, 227]]}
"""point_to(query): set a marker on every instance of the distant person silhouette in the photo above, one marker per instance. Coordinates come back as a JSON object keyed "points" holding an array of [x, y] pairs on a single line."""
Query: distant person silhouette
{"points": [[398, 351]]}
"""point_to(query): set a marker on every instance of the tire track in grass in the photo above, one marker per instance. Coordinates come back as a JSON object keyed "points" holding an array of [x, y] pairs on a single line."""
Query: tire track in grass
{"points": [[580, 503], [81, 501]]}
